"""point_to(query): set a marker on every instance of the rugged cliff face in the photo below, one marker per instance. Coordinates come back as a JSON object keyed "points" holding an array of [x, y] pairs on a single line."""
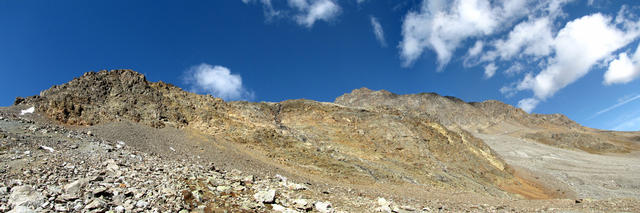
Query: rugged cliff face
{"points": [[399, 139]]}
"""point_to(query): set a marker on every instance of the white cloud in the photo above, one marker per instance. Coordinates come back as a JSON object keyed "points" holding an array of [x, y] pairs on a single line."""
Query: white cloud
{"points": [[578, 46], [314, 10], [442, 26], [490, 70], [378, 31], [476, 49], [304, 12], [528, 104], [531, 38], [624, 69], [217, 81], [514, 69], [269, 11]]}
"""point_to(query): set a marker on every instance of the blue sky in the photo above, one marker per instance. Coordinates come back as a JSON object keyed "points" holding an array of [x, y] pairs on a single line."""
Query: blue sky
{"points": [[577, 58]]}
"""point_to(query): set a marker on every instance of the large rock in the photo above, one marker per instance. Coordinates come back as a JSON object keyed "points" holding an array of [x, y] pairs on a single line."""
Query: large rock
{"points": [[324, 207], [74, 189], [22, 209], [266, 196], [25, 196]]}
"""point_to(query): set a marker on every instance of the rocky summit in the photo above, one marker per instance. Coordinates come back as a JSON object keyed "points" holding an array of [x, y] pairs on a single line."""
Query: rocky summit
{"points": [[111, 141]]}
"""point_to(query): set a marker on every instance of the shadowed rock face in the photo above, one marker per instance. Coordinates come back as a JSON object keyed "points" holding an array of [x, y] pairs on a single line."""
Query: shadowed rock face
{"points": [[345, 143]]}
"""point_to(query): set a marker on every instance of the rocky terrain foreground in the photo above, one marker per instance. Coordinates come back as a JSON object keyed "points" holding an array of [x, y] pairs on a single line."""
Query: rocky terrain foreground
{"points": [[111, 141]]}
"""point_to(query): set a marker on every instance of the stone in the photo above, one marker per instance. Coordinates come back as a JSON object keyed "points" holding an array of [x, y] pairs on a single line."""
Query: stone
{"points": [[61, 208], [223, 188], [278, 208], [296, 186], [265, 196], [96, 204], [25, 196], [4, 190], [74, 189], [21, 209], [323, 207], [408, 208], [113, 170], [119, 209], [142, 204], [302, 204], [383, 202]]}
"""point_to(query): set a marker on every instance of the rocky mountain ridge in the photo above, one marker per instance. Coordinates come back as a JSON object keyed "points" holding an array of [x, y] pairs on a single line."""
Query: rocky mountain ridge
{"points": [[369, 140]]}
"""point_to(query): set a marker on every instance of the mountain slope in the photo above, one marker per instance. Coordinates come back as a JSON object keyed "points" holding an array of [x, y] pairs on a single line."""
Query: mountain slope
{"points": [[340, 143], [493, 117]]}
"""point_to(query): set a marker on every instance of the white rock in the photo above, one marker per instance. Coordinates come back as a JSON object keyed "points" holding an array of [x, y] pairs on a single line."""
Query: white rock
{"points": [[4, 190], [113, 169], [142, 204], [324, 207], [282, 178], [383, 209], [25, 196], [119, 209], [296, 186], [278, 208], [302, 204], [95, 204], [383, 202], [21, 209], [47, 148], [75, 187], [61, 208], [265, 196], [223, 188]]}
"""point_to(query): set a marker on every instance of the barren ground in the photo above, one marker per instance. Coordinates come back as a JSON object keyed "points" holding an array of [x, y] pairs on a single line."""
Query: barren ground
{"points": [[592, 176]]}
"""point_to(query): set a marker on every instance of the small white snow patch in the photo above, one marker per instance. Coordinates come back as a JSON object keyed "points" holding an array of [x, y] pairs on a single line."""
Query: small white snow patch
{"points": [[26, 111], [172, 149], [47, 148]]}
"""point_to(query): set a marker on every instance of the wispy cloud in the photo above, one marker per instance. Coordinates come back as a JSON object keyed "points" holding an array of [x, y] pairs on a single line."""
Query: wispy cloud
{"points": [[490, 70], [619, 104], [217, 81], [303, 12], [378, 31]]}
